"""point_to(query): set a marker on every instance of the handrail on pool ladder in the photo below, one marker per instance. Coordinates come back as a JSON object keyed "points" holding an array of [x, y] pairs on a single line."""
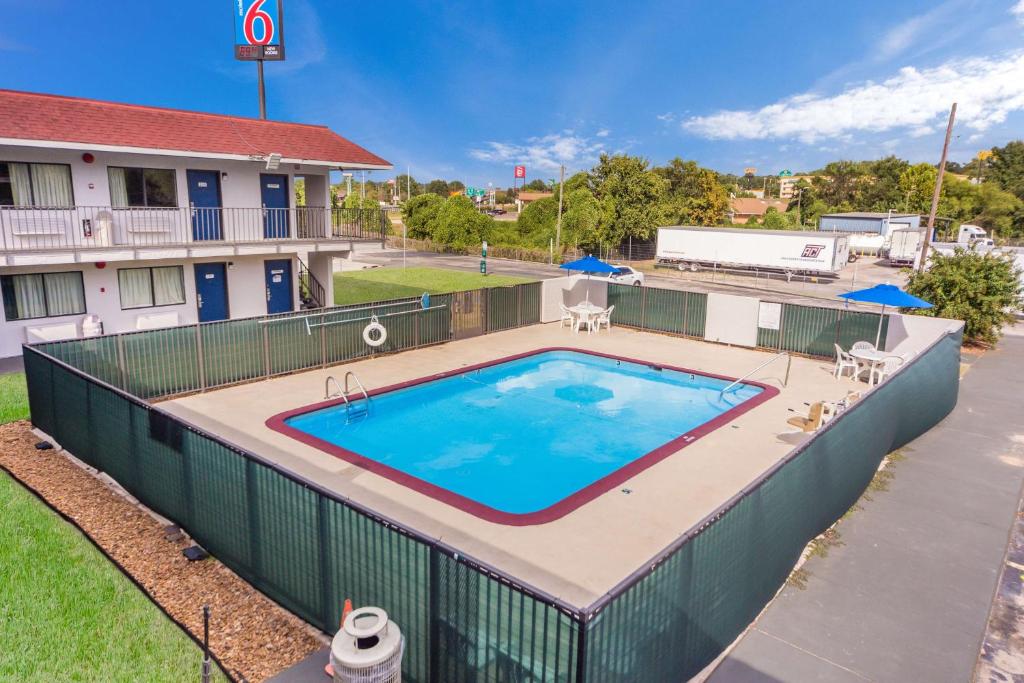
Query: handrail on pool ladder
{"points": [[344, 392], [774, 358]]}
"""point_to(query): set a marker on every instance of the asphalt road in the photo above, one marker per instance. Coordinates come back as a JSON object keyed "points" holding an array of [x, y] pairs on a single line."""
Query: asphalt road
{"points": [[864, 273]]}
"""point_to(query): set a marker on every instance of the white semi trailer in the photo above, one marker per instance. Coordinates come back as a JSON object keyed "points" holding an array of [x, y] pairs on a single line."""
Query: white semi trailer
{"points": [[904, 247], [787, 251]]}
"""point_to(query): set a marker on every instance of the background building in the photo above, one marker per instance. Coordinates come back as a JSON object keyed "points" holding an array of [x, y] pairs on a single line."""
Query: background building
{"points": [[881, 223]]}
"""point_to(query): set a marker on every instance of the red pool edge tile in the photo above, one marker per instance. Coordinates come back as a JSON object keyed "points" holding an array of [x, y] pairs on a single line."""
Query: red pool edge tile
{"points": [[552, 512]]}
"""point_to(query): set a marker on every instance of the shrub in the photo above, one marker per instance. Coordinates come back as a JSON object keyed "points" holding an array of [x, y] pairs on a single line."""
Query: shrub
{"points": [[983, 290]]}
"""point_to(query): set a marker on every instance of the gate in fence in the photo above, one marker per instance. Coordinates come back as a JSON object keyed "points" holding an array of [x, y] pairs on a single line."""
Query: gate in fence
{"points": [[468, 314]]}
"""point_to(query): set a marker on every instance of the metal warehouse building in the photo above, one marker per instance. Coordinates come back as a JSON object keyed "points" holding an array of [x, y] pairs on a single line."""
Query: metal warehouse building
{"points": [[866, 221]]}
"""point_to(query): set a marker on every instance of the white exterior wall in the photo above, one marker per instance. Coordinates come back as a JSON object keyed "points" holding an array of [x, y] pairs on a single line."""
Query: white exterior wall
{"points": [[239, 189], [246, 296]]}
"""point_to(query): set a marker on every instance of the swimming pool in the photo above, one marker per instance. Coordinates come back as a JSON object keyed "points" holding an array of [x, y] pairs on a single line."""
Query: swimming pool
{"points": [[525, 439]]}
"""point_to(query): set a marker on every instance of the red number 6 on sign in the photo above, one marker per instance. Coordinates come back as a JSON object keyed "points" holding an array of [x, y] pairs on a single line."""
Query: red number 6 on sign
{"points": [[253, 14]]}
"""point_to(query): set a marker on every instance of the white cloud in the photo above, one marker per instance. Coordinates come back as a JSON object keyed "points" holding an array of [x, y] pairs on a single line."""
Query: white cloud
{"points": [[986, 89], [604, 132], [1018, 11], [544, 153], [668, 116]]}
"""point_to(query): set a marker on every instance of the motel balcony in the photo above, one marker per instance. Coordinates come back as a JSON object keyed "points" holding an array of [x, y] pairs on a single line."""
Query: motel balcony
{"points": [[41, 235]]}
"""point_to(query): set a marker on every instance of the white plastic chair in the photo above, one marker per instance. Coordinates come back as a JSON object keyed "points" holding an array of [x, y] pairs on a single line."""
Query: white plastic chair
{"points": [[862, 346], [883, 369], [567, 316], [586, 319], [604, 318], [845, 361]]}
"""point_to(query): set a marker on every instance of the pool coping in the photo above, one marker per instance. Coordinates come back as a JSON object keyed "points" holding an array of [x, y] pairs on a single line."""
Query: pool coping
{"points": [[553, 512]]}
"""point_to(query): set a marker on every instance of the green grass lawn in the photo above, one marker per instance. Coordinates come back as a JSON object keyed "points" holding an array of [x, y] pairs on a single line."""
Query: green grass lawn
{"points": [[13, 398], [68, 614], [378, 284]]}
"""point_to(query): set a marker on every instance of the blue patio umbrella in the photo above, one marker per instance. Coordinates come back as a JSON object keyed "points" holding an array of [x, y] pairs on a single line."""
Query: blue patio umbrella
{"points": [[886, 295], [588, 264]]}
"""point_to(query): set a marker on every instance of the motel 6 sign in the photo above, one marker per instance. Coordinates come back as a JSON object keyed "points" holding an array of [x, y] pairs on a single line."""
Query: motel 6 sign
{"points": [[520, 172], [259, 30]]}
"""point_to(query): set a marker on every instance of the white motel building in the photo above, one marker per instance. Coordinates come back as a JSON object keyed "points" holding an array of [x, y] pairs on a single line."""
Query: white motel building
{"points": [[117, 217]]}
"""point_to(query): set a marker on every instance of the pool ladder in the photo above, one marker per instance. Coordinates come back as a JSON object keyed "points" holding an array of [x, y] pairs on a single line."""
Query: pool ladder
{"points": [[785, 381], [353, 413]]}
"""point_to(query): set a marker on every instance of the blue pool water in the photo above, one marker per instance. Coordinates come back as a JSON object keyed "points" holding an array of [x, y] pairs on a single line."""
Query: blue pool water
{"points": [[522, 435]]}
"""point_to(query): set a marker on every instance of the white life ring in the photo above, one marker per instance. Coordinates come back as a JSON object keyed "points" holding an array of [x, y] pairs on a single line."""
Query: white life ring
{"points": [[374, 325]]}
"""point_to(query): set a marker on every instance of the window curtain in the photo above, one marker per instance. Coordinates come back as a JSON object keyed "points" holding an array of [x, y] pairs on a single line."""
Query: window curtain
{"points": [[167, 286], [64, 293], [29, 297], [118, 187], [136, 288], [52, 185], [21, 183]]}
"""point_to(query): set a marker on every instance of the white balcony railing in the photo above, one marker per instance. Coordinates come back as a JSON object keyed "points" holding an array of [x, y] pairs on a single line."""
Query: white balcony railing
{"points": [[26, 228]]}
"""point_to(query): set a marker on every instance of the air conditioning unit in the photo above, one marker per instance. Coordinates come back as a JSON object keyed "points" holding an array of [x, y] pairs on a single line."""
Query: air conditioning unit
{"points": [[368, 648]]}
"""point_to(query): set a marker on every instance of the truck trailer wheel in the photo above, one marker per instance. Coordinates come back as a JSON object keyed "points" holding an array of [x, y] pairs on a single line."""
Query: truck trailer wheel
{"points": [[852, 258]]}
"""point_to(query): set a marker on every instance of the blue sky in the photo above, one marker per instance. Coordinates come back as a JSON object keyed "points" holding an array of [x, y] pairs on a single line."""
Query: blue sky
{"points": [[467, 90]]}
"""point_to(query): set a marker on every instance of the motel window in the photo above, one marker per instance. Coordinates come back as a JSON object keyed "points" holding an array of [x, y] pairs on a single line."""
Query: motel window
{"points": [[41, 185], [43, 295], [142, 187], [149, 287]]}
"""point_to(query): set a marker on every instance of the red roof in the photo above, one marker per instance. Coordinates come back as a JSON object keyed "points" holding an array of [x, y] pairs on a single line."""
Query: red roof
{"points": [[34, 116]]}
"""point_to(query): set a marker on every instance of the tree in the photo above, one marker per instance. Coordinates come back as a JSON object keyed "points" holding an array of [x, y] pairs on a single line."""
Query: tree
{"points": [[407, 186], [1006, 167], [536, 222], [459, 224], [456, 186], [695, 196], [300, 191], [419, 214], [631, 196], [438, 187], [839, 183], [536, 185], [581, 218], [917, 183], [880, 190], [983, 290]]}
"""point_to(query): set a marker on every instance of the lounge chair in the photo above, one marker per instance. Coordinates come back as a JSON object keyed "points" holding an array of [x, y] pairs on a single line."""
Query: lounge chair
{"points": [[604, 318], [567, 316], [845, 361], [815, 417]]}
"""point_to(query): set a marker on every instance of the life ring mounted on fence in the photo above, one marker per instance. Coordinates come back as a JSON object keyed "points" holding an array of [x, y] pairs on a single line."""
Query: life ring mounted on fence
{"points": [[374, 326]]}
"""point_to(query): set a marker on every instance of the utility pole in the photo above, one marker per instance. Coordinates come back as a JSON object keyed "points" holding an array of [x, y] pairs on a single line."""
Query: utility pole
{"points": [[408, 183], [558, 225], [938, 191]]}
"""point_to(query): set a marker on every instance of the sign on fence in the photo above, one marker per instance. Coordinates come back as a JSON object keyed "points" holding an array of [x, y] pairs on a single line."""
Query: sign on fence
{"points": [[769, 317]]}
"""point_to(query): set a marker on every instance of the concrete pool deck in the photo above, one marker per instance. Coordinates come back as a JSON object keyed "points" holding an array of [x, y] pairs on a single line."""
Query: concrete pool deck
{"points": [[583, 555]]}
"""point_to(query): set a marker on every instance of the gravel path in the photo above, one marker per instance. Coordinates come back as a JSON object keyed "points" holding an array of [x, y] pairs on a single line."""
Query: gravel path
{"points": [[251, 635]]}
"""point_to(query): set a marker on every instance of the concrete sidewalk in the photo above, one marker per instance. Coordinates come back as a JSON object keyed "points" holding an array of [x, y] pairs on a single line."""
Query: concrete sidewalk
{"points": [[907, 594]]}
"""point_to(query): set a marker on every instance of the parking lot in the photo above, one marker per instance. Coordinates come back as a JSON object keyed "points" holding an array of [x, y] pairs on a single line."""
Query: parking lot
{"points": [[866, 272]]}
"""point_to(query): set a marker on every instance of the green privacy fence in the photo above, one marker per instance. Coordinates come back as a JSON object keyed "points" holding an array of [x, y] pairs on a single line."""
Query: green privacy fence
{"points": [[304, 546], [674, 616], [176, 360], [309, 549], [808, 330]]}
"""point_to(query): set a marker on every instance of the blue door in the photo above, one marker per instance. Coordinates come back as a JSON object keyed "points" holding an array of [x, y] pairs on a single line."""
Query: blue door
{"points": [[204, 201], [274, 196], [211, 291], [279, 285]]}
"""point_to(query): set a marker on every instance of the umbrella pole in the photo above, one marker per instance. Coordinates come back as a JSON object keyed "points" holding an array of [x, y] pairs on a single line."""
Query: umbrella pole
{"points": [[878, 335], [588, 288]]}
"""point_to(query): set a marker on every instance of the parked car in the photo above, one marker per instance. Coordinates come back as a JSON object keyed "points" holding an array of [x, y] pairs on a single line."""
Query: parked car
{"points": [[496, 211], [624, 275]]}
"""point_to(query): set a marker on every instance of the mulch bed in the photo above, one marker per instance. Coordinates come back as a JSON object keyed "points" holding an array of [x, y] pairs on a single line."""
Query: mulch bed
{"points": [[252, 636]]}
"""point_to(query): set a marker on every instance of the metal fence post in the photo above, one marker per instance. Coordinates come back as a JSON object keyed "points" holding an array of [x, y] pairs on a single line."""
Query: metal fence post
{"points": [[122, 363], [643, 307], [686, 313], [323, 344], [519, 305], [200, 360], [266, 350], [782, 326], [434, 615], [416, 329], [326, 588]]}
